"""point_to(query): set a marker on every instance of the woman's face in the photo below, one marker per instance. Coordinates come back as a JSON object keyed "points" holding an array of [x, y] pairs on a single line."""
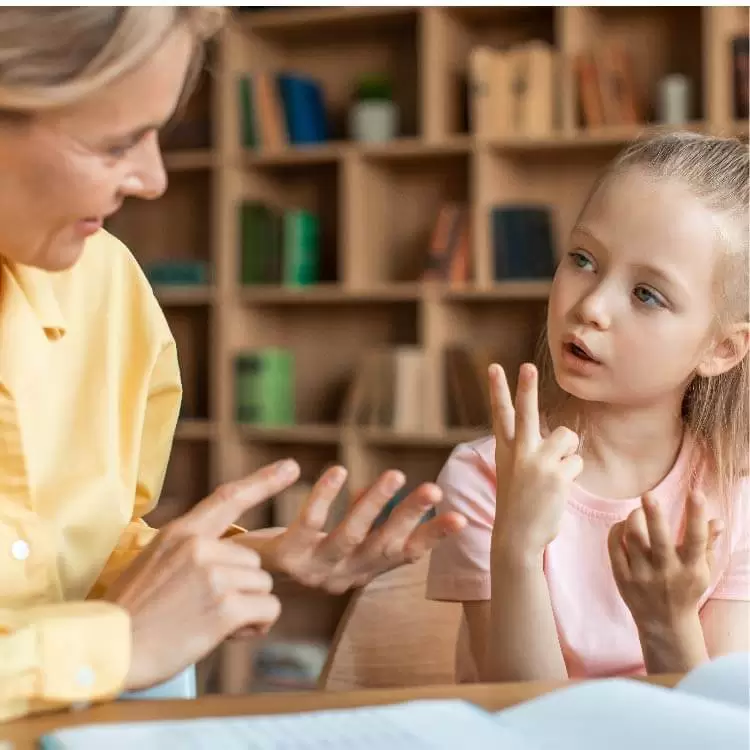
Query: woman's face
{"points": [[64, 172]]}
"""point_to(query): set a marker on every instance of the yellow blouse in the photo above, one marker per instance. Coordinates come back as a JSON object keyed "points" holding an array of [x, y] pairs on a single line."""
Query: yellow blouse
{"points": [[89, 399]]}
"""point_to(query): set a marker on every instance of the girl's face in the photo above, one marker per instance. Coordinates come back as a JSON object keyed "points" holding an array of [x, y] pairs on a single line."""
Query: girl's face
{"points": [[65, 172], [632, 308]]}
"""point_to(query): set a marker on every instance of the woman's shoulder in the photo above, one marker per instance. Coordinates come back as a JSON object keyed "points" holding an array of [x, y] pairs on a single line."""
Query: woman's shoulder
{"points": [[109, 278]]}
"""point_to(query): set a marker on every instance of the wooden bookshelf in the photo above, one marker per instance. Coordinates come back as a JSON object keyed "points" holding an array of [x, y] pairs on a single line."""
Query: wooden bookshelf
{"points": [[377, 205]]}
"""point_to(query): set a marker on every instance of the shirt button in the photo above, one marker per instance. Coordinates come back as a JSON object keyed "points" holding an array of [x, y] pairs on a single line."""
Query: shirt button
{"points": [[20, 549], [85, 677]]}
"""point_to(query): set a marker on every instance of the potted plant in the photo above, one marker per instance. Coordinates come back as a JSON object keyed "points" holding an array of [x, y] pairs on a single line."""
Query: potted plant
{"points": [[373, 117]]}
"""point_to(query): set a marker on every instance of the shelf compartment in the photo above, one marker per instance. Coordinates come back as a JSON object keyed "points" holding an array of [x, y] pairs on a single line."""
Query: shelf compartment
{"points": [[327, 343], [176, 226], [396, 221], [372, 41], [658, 40], [453, 33], [287, 186]]}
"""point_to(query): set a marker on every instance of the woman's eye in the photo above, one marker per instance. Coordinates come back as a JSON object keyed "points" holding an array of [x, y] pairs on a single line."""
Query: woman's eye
{"points": [[579, 260], [117, 152], [648, 297]]}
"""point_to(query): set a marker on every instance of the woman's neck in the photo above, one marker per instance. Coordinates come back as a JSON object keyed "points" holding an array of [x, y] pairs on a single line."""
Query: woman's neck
{"points": [[628, 451]]}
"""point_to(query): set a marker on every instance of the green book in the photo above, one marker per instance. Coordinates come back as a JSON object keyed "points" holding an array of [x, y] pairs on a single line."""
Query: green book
{"points": [[265, 387], [301, 241], [260, 244], [247, 115]]}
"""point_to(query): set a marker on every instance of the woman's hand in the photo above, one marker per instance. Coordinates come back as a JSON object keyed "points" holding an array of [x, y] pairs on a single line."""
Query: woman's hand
{"points": [[534, 474], [190, 589], [662, 582], [354, 552]]}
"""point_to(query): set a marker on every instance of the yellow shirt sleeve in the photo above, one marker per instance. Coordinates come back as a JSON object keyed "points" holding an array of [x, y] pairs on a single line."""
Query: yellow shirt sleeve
{"points": [[160, 421], [61, 654]]}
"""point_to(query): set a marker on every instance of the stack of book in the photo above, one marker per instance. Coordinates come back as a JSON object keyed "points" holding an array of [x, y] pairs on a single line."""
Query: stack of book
{"points": [[278, 247], [281, 109], [264, 380], [514, 91]]}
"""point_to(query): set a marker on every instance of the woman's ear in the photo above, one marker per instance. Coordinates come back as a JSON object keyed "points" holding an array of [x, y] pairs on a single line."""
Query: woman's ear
{"points": [[727, 352]]}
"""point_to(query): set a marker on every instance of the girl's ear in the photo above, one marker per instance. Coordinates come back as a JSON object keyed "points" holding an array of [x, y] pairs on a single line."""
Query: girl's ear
{"points": [[727, 352]]}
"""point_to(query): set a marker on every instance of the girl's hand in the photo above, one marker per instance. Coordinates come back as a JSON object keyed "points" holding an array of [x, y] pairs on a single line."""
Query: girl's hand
{"points": [[534, 474], [354, 552], [660, 581]]}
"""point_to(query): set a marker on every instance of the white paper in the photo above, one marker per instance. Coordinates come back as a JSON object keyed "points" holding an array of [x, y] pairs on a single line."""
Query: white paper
{"points": [[622, 714], [415, 725]]}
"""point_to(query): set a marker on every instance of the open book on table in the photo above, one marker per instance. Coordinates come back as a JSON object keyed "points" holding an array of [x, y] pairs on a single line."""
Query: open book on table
{"points": [[709, 708]]}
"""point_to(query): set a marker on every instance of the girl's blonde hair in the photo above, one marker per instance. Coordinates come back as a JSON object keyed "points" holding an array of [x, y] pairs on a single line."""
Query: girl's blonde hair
{"points": [[52, 57], [716, 410]]}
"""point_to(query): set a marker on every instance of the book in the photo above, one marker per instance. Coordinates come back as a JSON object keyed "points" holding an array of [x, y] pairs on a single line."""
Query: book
{"points": [[301, 248], [709, 708], [522, 242], [265, 387]]}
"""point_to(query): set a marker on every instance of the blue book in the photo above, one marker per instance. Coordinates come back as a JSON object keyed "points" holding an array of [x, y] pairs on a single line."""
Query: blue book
{"points": [[304, 109]]}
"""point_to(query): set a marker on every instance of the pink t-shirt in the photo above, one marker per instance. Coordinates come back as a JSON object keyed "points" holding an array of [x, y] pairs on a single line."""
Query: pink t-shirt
{"points": [[596, 631]]}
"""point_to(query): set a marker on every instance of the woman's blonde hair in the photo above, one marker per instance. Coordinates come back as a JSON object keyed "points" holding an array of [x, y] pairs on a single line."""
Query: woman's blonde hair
{"points": [[52, 57], [716, 410]]}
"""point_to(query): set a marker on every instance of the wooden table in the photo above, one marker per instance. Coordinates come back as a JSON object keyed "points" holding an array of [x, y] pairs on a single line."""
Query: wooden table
{"points": [[25, 732]]}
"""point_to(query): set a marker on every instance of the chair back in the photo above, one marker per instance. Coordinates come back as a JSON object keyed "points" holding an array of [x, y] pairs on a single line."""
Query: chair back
{"points": [[391, 636]]}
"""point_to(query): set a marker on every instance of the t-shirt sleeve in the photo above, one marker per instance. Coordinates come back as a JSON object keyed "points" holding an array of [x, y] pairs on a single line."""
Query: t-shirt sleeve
{"points": [[735, 580], [460, 565]]}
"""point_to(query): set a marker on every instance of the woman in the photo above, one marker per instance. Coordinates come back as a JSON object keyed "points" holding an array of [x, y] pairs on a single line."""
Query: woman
{"points": [[90, 597]]}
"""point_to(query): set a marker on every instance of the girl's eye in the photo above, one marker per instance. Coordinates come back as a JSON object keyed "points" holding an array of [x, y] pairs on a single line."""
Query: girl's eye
{"points": [[648, 297], [579, 260]]}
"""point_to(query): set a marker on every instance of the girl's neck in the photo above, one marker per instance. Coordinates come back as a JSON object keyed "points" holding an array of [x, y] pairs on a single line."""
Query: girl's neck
{"points": [[628, 451]]}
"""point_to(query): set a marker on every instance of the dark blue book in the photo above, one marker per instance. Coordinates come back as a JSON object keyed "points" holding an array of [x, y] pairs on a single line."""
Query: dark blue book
{"points": [[304, 109], [522, 242]]}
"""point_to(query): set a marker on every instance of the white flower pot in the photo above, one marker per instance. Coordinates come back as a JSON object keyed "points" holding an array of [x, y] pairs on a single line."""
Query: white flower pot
{"points": [[373, 121]]}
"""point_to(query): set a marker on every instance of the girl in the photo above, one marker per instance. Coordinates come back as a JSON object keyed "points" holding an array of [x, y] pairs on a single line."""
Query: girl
{"points": [[611, 536]]}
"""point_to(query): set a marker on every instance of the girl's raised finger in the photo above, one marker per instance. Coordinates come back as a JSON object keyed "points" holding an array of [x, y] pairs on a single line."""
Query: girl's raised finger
{"points": [[503, 413]]}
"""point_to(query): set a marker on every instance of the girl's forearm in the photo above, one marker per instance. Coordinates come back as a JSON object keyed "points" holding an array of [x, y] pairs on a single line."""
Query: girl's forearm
{"points": [[522, 642], [673, 648]]}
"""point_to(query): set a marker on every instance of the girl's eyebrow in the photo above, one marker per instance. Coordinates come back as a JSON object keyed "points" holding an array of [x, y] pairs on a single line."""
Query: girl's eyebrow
{"points": [[670, 279]]}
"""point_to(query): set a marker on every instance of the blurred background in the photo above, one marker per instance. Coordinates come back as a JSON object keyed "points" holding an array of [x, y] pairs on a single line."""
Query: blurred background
{"points": [[364, 209]]}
